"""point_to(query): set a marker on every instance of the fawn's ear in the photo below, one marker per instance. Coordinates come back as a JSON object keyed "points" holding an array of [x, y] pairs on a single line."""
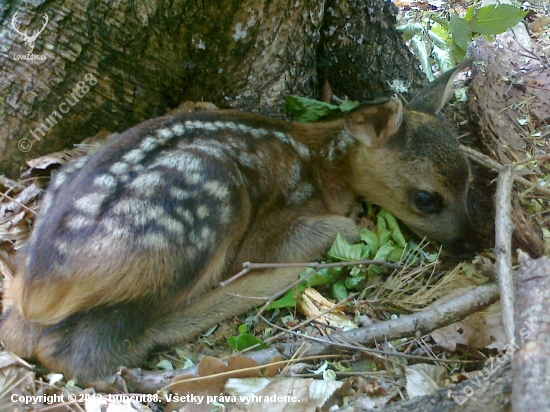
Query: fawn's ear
{"points": [[438, 93], [373, 123]]}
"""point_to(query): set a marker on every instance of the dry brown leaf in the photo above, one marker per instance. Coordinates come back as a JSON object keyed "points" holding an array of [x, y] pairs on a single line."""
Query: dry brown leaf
{"points": [[213, 385], [472, 331], [281, 395], [424, 379], [273, 370]]}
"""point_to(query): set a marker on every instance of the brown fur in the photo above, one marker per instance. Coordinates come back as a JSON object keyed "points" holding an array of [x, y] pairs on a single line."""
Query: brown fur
{"points": [[134, 240]]}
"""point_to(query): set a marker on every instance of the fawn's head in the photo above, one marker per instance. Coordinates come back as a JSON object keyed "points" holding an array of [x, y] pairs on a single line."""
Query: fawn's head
{"points": [[410, 163]]}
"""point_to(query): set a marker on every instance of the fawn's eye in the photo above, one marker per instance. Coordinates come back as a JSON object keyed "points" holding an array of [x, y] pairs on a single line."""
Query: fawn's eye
{"points": [[427, 202]]}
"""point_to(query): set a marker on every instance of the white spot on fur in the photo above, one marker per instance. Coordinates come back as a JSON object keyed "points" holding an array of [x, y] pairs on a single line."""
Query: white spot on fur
{"points": [[195, 124], [147, 184], [79, 163], [58, 179], [62, 247], [231, 125], [163, 135], [105, 182], [258, 133], [138, 168], [46, 202], [202, 212], [119, 168], [134, 156], [181, 161], [154, 240], [90, 203], [194, 178], [79, 222], [302, 193], [225, 214], [216, 189], [302, 150], [148, 144], [140, 212], [185, 215], [178, 129], [206, 234], [247, 160], [179, 194], [170, 224], [110, 224]]}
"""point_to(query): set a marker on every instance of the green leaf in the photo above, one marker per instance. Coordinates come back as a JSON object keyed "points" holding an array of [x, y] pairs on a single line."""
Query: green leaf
{"points": [[342, 250], [308, 110], [460, 30], [436, 40], [339, 290], [370, 239], [243, 341], [384, 251], [422, 52], [382, 230], [469, 13], [323, 276], [492, 19], [458, 53], [444, 58], [409, 30], [440, 20], [395, 254], [442, 32], [351, 282], [382, 254], [289, 299], [347, 105], [397, 236]]}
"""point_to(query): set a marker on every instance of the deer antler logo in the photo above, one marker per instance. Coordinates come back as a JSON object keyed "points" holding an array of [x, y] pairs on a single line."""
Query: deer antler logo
{"points": [[29, 40]]}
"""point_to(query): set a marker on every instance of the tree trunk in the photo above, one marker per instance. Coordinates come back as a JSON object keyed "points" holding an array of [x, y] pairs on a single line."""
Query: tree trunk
{"points": [[110, 65]]}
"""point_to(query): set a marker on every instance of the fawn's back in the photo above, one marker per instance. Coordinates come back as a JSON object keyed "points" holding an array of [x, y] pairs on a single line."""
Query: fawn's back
{"points": [[133, 240]]}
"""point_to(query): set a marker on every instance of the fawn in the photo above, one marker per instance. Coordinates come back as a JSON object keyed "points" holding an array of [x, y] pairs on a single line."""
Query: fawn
{"points": [[133, 241]]}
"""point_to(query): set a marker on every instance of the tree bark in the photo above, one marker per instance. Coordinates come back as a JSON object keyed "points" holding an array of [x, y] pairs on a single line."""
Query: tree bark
{"points": [[148, 57]]}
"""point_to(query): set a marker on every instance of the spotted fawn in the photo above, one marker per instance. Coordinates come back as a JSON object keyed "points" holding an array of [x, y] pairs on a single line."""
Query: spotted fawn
{"points": [[133, 240]]}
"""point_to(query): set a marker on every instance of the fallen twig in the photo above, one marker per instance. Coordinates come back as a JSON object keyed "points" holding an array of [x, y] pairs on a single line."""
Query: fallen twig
{"points": [[503, 248], [497, 167], [531, 383], [248, 266]]}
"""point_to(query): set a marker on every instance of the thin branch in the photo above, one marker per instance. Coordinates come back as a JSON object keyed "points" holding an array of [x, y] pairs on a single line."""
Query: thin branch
{"points": [[503, 248], [248, 266], [497, 167], [376, 353], [19, 203]]}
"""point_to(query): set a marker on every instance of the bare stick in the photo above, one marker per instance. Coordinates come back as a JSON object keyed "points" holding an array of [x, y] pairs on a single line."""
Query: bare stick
{"points": [[28, 209], [531, 384], [376, 353], [497, 167], [316, 266], [503, 248]]}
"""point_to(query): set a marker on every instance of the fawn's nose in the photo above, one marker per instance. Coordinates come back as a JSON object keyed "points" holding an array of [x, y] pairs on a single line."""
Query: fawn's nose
{"points": [[463, 246]]}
